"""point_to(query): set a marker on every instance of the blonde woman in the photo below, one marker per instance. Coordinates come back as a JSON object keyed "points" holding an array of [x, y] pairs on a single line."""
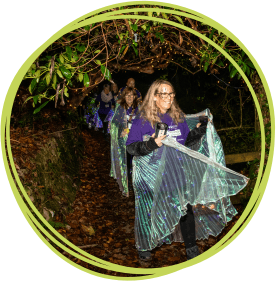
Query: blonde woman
{"points": [[171, 181], [126, 109]]}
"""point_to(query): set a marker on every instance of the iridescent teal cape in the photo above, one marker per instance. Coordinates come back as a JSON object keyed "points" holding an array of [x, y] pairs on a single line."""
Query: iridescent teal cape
{"points": [[172, 176], [118, 149]]}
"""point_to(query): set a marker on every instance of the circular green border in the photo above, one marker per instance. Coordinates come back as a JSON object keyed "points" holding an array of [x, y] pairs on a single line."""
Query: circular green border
{"points": [[154, 272]]}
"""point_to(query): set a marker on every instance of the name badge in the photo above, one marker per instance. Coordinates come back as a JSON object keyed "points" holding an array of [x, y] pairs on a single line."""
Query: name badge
{"points": [[174, 133], [107, 105], [129, 124]]}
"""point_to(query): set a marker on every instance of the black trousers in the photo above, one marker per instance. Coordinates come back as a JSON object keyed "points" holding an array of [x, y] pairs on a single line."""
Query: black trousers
{"points": [[129, 166], [105, 124], [187, 225]]}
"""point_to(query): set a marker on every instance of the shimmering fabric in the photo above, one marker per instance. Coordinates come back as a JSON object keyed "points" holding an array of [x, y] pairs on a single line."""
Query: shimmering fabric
{"points": [[118, 149], [172, 176], [90, 111], [108, 119], [97, 120]]}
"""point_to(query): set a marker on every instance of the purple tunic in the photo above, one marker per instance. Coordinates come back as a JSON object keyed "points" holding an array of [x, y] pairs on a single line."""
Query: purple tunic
{"points": [[138, 129], [104, 107]]}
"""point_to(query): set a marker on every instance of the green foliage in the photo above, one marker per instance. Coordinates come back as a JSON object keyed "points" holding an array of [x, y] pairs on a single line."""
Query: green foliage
{"points": [[75, 56]]}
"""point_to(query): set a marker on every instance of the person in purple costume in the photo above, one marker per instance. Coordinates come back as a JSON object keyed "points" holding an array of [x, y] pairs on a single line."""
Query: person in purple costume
{"points": [[124, 115], [159, 105], [131, 84], [105, 102]]}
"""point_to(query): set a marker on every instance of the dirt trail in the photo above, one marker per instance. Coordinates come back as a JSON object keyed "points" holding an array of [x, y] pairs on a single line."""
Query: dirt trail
{"points": [[100, 204]]}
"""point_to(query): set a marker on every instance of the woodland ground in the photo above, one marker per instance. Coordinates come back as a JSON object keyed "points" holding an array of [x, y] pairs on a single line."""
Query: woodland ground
{"points": [[99, 204]]}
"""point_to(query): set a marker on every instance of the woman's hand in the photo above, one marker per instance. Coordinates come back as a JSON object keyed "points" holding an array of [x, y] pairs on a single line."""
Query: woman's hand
{"points": [[158, 140], [198, 124], [124, 132]]}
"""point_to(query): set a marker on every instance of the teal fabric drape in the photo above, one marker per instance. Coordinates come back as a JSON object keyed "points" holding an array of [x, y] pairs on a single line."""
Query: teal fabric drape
{"points": [[172, 176], [118, 149]]}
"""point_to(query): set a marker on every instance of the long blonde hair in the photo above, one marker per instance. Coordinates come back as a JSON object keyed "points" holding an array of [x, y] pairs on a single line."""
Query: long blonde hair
{"points": [[122, 100], [149, 110]]}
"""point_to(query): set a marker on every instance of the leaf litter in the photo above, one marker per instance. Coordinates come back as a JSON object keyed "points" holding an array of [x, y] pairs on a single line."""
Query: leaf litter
{"points": [[102, 220]]}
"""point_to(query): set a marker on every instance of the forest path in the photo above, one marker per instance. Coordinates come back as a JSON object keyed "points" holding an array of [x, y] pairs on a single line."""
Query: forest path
{"points": [[99, 204]]}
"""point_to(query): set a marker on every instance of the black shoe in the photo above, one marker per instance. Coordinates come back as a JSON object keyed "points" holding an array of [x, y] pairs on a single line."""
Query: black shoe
{"points": [[145, 255], [192, 252]]}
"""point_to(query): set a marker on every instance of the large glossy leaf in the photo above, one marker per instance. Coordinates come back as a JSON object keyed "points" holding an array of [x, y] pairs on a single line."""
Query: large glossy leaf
{"points": [[122, 49], [59, 74], [54, 81], [68, 66], [41, 87], [66, 92], [48, 79], [86, 80], [32, 85], [65, 72], [206, 66], [179, 19], [28, 98], [39, 108], [233, 73], [80, 77], [250, 64], [35, 98], [61, 58], [106, 72], [37, 74]]}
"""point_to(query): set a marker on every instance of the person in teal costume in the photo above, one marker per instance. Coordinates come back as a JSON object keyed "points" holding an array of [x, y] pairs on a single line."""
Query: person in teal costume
{"points": [[131, 84], [181, 183], [125, 112]]}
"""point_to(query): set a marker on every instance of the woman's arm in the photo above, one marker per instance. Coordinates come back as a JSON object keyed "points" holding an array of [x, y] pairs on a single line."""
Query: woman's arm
{"points": [[142, 148], [135, 144], [195, 135]]}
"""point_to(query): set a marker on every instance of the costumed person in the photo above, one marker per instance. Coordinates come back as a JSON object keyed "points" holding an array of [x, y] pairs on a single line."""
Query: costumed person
{"points": [[130, 83], [125, 112], [105, 102], [90, 110], [114, 90], [181, 193]]}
